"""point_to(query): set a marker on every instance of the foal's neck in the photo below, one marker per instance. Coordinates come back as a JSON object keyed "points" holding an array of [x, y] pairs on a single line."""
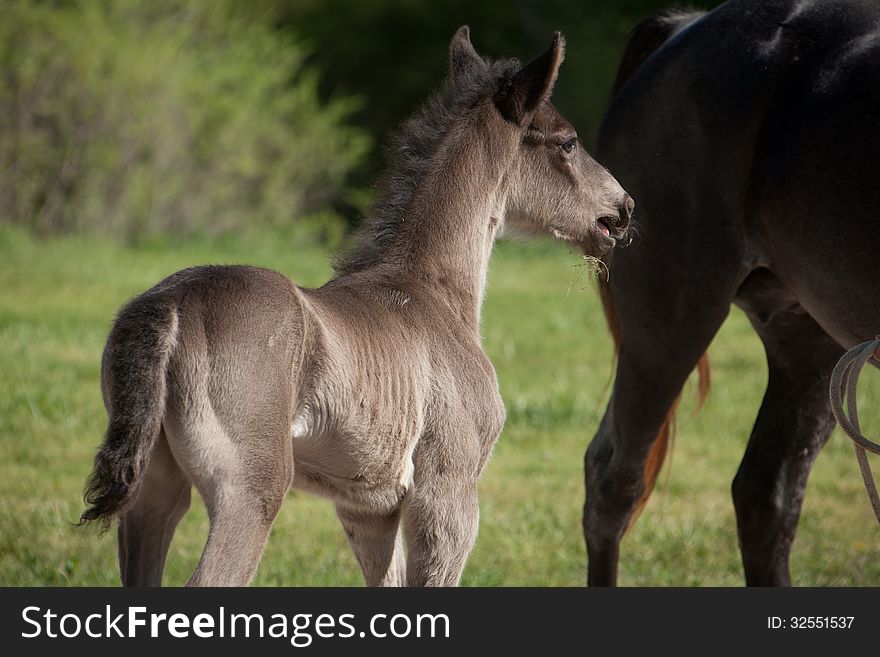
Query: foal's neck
{"points": [[455, 213], [450, 222]]}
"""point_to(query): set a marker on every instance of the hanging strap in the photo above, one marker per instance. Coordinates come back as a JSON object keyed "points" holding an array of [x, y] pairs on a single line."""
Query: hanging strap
{"points": [[842, 391]]}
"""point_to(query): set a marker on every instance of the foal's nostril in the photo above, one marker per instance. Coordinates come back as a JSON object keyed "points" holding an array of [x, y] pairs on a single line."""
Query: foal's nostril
{"points": [[625, 210], [624, 213]]}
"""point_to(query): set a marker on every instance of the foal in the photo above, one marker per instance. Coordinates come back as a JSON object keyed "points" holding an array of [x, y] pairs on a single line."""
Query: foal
{"points": [[372, 390]]}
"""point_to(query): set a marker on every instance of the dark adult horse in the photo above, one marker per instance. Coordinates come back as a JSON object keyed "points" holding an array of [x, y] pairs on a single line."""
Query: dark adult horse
{"points": [[749, 137]]}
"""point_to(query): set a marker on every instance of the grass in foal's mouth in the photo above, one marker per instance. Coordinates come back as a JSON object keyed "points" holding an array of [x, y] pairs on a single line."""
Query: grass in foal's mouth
{"points": [[596, 267], [548, 341]]}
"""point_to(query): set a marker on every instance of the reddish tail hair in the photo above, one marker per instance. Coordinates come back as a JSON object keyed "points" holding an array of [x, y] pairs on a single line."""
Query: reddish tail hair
{"points": [[663, 442]]}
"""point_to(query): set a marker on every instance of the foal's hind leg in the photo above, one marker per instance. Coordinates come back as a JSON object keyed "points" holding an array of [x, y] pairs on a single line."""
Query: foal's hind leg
{"points": [[378, 545], [243, 486], [145, 530], [241, 510], [793, 424]]}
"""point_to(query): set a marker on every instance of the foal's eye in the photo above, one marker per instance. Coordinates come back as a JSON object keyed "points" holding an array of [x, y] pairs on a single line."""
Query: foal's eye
{"points": [[568, 146]]}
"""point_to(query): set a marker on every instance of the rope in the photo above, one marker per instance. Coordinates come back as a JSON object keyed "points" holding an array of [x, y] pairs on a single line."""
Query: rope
{"points": [[844, 380]]}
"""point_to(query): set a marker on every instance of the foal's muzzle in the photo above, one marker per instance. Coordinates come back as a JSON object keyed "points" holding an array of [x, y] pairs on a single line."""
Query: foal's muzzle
{"points": [[617, 225]]}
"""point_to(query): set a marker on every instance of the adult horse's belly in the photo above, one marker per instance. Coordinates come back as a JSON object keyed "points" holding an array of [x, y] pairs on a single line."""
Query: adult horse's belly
{"points": [[817, 187], [828, 255], [843, 297]]}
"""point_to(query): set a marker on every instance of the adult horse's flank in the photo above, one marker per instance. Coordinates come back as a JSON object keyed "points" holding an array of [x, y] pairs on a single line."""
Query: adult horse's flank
{"points": [[372, 390], [749, 137]]}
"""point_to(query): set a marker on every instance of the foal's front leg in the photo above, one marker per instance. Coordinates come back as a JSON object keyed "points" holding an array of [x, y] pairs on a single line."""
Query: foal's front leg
{"points": [[377, 544], [441, 518]]}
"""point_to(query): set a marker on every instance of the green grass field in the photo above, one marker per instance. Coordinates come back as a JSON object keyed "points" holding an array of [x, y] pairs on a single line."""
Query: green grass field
{"points": [[545, 333]]}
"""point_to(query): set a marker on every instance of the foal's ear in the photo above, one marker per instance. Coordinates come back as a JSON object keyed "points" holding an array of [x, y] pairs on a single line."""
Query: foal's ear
{"points": [[462, 57], [532, 84]]}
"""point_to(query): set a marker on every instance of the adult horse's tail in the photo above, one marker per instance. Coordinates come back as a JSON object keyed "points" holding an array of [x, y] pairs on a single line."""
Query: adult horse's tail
{"points": [[663, 442], [646, 37]]}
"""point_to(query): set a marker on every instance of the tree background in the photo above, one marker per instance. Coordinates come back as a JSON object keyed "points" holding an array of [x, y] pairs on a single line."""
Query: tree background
{"points": [[138, 118]]}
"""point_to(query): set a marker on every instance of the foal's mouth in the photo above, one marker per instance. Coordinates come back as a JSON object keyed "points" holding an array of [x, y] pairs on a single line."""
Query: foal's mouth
{"points": [[607, 227], [598, 241]]}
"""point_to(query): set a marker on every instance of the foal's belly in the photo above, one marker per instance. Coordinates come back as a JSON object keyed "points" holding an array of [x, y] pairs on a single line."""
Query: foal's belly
{"points": [[379, 497], [368, 472]]}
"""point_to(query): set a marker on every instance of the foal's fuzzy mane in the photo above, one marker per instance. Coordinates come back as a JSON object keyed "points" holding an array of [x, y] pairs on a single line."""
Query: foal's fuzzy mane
{"points": [[409, 154]]}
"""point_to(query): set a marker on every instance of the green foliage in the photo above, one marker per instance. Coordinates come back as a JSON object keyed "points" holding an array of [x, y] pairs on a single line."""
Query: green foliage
{"points": [[140, 117]]}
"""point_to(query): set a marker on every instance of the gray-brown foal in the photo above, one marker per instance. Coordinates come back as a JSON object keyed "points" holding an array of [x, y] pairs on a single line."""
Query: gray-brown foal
{"points": [[372, 390]]}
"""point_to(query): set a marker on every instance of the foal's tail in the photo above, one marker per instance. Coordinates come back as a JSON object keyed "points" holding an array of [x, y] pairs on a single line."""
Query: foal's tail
{"points": [[663, 442], [133, 376]]}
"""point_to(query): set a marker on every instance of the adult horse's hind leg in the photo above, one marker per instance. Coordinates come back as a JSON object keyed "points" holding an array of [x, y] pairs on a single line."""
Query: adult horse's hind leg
{"points": [[145, 530], [666, 318], [378, 545], [793, 424], [645, 389]]}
